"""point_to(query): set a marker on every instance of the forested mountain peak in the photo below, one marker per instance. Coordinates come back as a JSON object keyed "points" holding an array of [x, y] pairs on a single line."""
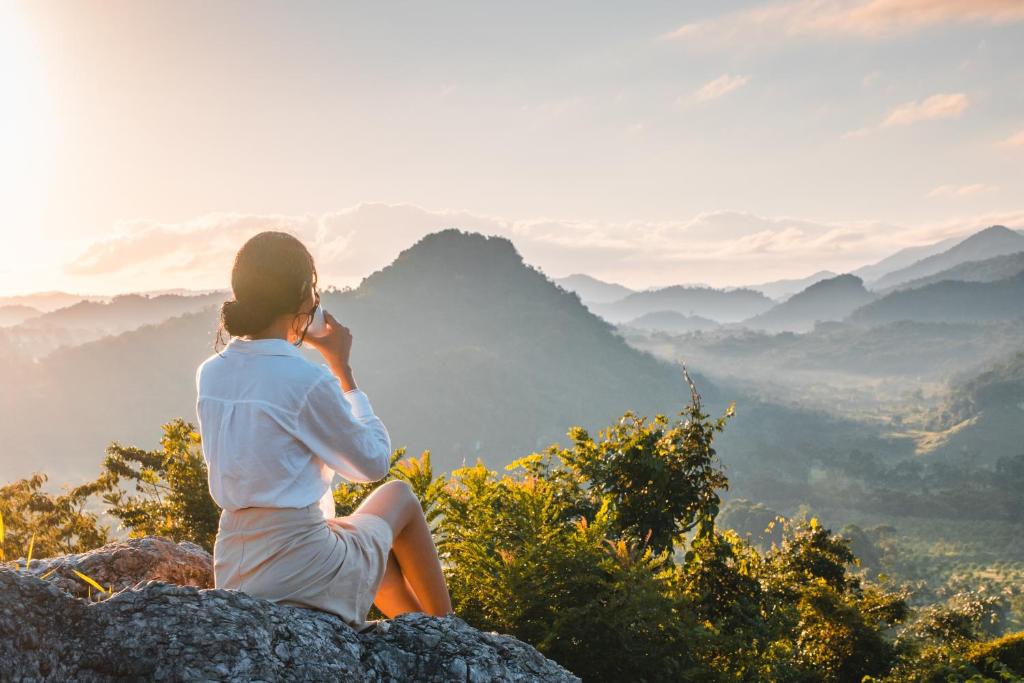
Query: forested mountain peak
{"points": [[447, 257], [995, 240], [831, 299]]}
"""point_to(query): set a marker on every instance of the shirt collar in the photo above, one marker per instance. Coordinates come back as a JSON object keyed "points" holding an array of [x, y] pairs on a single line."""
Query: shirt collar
{"points": [[273, 346]]}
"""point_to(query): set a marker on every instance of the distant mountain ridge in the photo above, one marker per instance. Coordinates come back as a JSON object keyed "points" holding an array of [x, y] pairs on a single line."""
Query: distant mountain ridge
{"points": [[15, 314], [988, 270], [124, 312], [783, 289], [591, 290], [948, 301], [720, 305], [48, 301], [827, 300], [997, 240], [671, 321], [901, 259]]}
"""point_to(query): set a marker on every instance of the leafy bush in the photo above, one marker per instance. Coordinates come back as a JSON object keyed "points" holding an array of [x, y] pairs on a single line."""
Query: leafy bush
{"points": [[167, 494], [52, 524]]}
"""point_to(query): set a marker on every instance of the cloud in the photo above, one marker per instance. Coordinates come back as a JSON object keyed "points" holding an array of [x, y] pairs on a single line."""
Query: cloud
{"points": [[941, 106], [722, 85], [871, 78], [961, 190], [823, 19], [350, 243], [718, 247], [1015, 140]]}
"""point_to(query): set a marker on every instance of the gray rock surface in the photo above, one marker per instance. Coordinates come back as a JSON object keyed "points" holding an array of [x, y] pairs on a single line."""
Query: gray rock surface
{"points": [[158, 631]]}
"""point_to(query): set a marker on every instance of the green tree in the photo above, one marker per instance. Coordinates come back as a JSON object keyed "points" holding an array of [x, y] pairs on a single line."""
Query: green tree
{"points": [[661, 478], [167, 492], [52, 524]]}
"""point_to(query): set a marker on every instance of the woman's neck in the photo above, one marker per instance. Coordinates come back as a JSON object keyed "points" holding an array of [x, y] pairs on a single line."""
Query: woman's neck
{"points": [[279, 329]]}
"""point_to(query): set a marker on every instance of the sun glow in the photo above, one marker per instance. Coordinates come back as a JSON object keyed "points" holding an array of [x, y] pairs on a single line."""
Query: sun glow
{"points": [[26, 144]]}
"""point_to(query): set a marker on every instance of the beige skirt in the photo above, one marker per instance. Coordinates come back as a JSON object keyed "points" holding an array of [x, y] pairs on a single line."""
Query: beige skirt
{"points": [[293, 556]]}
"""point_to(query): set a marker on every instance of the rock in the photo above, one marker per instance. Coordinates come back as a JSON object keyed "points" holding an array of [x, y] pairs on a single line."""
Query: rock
{"points": [[125, 563], [154, 630]]}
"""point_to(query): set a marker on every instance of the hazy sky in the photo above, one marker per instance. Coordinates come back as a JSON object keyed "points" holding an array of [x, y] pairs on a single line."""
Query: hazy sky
{"points": [[645, 142]]}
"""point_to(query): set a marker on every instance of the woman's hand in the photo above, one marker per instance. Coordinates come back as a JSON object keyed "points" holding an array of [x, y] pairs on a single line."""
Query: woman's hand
{"points": [[336, 346]]}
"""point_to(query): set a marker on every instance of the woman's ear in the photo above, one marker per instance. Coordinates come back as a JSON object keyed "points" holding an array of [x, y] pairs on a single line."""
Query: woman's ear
{"points": [[298, 325]]}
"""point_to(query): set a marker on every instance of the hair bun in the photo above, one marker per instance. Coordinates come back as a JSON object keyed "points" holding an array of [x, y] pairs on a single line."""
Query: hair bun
{"points": [[240, 320]]}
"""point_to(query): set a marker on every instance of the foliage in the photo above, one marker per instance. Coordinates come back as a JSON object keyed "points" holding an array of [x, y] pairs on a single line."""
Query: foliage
{"points": [[167, 492], [606, 556], [418, 472], [660, 479], [52, 524], [754, 521]]}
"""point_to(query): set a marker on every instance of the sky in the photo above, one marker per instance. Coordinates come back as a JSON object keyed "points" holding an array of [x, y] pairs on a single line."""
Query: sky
{"points": [[649, 143]]}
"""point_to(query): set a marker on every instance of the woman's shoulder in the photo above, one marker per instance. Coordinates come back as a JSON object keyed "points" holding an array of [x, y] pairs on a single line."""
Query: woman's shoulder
{"points": [[205, 364], [302, 370]]}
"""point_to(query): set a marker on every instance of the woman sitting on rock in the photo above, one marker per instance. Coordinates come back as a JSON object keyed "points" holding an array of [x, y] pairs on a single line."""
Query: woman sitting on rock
{"points": [[276, 428]]}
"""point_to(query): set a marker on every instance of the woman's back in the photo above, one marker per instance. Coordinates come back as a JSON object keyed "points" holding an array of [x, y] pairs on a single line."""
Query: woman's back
{"points": [[276, 427]]}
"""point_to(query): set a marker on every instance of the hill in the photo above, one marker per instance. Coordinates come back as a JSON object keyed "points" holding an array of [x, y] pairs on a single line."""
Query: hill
{"points": [[902, 259], [15, 314], [997, 240], [948, 301], [123, 313], [47, 301], [86, 321], [988, 270], [591, 290], [781, 290], [671, 321], [719, 305], [828, 300], [983, 414]]}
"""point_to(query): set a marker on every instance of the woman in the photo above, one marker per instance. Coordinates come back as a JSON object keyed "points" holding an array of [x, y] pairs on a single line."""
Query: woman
{"points": [[275, 428]]}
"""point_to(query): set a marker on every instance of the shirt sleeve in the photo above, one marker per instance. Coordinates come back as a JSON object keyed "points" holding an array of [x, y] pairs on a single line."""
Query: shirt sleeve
{"points": [[341, 429]]}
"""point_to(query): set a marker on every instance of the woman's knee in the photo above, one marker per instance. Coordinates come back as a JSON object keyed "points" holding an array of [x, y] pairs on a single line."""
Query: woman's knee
{"points": [[397, 490], [394, 501]]}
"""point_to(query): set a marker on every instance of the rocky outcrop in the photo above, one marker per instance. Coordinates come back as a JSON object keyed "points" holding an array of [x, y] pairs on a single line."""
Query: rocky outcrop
{"points": [[155, 630], [122, 564]]}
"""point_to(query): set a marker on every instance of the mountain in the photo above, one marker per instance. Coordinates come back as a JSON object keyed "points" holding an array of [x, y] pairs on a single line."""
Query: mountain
{"points": [[997, 240], [989, 270], [831, 299], [902, 259], [123, 313], [86, 321], [462, 348], [783, 289], [15, 314], [671, 321], [47, 301], [591, 290], [719, 305], [948, 301]]}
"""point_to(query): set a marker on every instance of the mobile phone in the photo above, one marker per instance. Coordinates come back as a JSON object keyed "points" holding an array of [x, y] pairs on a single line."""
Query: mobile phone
{"points": [[318, 327]]}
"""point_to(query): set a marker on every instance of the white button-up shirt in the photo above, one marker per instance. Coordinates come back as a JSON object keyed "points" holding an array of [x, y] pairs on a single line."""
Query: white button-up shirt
{"points": [[275, 428]]}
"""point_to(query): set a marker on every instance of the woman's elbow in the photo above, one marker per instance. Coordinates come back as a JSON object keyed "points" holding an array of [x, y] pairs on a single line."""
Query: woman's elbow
{"points": [[381, 463]]}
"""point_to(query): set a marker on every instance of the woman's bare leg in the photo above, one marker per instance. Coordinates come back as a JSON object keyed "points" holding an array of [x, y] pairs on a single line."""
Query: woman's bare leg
{"points": [[394, 596], [413, 547]]}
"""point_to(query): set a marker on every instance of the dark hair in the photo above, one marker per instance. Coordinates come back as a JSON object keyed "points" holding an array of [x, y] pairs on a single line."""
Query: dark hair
{"points": [[272, 275]]}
